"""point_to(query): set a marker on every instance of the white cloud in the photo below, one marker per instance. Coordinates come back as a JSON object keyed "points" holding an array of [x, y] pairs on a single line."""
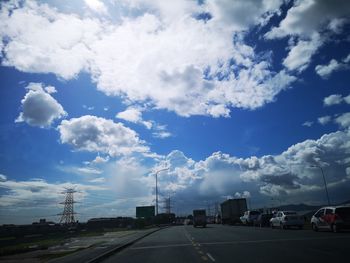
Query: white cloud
{"points": [[326, 70], [305, 22], [240, 15], [25, 194], [324, 119], [309, 16], [99, 160], [160, 131], [80, 170], [97, 6], [94, 134], [308, 123], [134, 114], [3, 178], [39, 108], [288, 174], [210, 70], [50, 89], [57, 41], [332, 100], [299, 56], [347, 99], [98, 180], [343, 120]]}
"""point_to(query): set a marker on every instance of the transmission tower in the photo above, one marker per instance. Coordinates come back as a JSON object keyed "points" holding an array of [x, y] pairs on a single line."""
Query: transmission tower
{"points": [[68, 211], [167, 205]]}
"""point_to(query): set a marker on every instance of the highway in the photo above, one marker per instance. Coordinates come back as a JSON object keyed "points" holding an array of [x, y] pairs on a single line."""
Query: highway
{"points": [[218, 243]]}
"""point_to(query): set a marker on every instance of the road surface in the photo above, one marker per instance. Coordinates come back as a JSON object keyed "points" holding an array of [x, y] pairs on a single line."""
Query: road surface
{"points": [[218, 243]]}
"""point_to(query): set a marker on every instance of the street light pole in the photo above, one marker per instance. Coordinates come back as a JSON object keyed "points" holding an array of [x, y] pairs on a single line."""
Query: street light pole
{"points": [[324, 181], [157, 172]]}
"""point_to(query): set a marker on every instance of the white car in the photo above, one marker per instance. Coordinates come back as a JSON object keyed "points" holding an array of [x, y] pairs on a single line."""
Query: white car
{"points": [[249, 217], [286, 219], [332, 218]]}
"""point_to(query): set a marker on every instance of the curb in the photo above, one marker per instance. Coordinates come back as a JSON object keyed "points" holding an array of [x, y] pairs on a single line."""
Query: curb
{"points": [[120, 247]]}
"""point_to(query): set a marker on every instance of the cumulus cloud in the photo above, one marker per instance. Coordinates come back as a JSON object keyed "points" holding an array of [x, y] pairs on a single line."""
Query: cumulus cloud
{"points": [[304, 24], [39, 108], [3, 178], [134, 114], [210, 70], [299, 56], [96, 6], [343, 120], [326, 70], [94, 134], [289, 174], [324, 119], [332, 100]]}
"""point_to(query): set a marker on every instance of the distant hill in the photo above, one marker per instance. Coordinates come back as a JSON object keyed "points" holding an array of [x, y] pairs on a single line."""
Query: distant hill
{"points": [[299, 207]]}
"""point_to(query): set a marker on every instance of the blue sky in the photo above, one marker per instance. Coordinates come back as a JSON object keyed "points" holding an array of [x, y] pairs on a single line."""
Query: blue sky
{"points": [[236, 99]]}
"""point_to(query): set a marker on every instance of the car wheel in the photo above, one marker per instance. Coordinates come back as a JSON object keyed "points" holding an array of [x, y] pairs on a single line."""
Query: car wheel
{"points": [[335, 228], [314, 227], [300, 227]]}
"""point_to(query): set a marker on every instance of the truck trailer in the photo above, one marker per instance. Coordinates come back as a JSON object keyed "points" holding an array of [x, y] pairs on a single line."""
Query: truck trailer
{"points": [[199, 218], [232, 210]]}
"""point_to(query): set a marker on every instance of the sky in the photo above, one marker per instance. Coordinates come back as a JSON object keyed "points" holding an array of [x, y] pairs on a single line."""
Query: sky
{"points": [[233, 98]]}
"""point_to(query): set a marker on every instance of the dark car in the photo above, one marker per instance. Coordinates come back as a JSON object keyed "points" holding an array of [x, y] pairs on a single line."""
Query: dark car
{"points": [[263, 220]]}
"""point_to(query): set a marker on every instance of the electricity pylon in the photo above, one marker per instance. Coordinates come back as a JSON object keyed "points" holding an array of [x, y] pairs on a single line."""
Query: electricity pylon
{"points": [[68, 211]]}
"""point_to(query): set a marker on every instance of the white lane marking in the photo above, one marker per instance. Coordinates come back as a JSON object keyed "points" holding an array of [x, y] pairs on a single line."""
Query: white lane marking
{"points": [[211, 257], [161, 246], [269, 240]]}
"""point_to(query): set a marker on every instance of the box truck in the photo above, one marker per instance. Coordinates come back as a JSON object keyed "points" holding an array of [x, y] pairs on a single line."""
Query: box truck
{"points": [[232, 210]]}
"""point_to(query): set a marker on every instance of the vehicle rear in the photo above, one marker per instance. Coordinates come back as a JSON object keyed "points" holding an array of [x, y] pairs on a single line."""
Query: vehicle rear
{"points": [[291, 218], [340, 219], [199, 218]]}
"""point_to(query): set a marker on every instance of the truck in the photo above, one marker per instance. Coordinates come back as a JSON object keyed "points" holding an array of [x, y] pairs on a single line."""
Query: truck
{"points": [[199, 218], [232, 210]]}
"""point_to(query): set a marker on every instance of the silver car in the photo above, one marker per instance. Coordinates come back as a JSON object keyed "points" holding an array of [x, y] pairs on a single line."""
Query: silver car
{"points": [[286, 219]]}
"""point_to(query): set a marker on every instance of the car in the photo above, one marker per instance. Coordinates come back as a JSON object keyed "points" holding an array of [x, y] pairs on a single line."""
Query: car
{"points": [[249, 217], [286, 219], [262, 220], [332, 218]]}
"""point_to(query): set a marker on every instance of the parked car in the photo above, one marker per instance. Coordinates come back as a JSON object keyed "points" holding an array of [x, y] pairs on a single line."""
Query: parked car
{"points": [[286, 219], [249, 217], [263, 220], [332, 218]]}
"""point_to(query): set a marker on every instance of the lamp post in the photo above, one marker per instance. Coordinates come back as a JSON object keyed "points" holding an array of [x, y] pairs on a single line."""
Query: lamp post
{"points": [[157, 172], [324, 181]]}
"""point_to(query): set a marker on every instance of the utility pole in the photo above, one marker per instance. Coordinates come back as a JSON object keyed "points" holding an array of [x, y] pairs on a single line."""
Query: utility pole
{"points": [[324, 181], [67, 217], [157, 172]]}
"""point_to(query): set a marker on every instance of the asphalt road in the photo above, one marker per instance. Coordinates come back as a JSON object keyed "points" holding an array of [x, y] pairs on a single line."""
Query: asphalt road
{"points": [[218, 243]]}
